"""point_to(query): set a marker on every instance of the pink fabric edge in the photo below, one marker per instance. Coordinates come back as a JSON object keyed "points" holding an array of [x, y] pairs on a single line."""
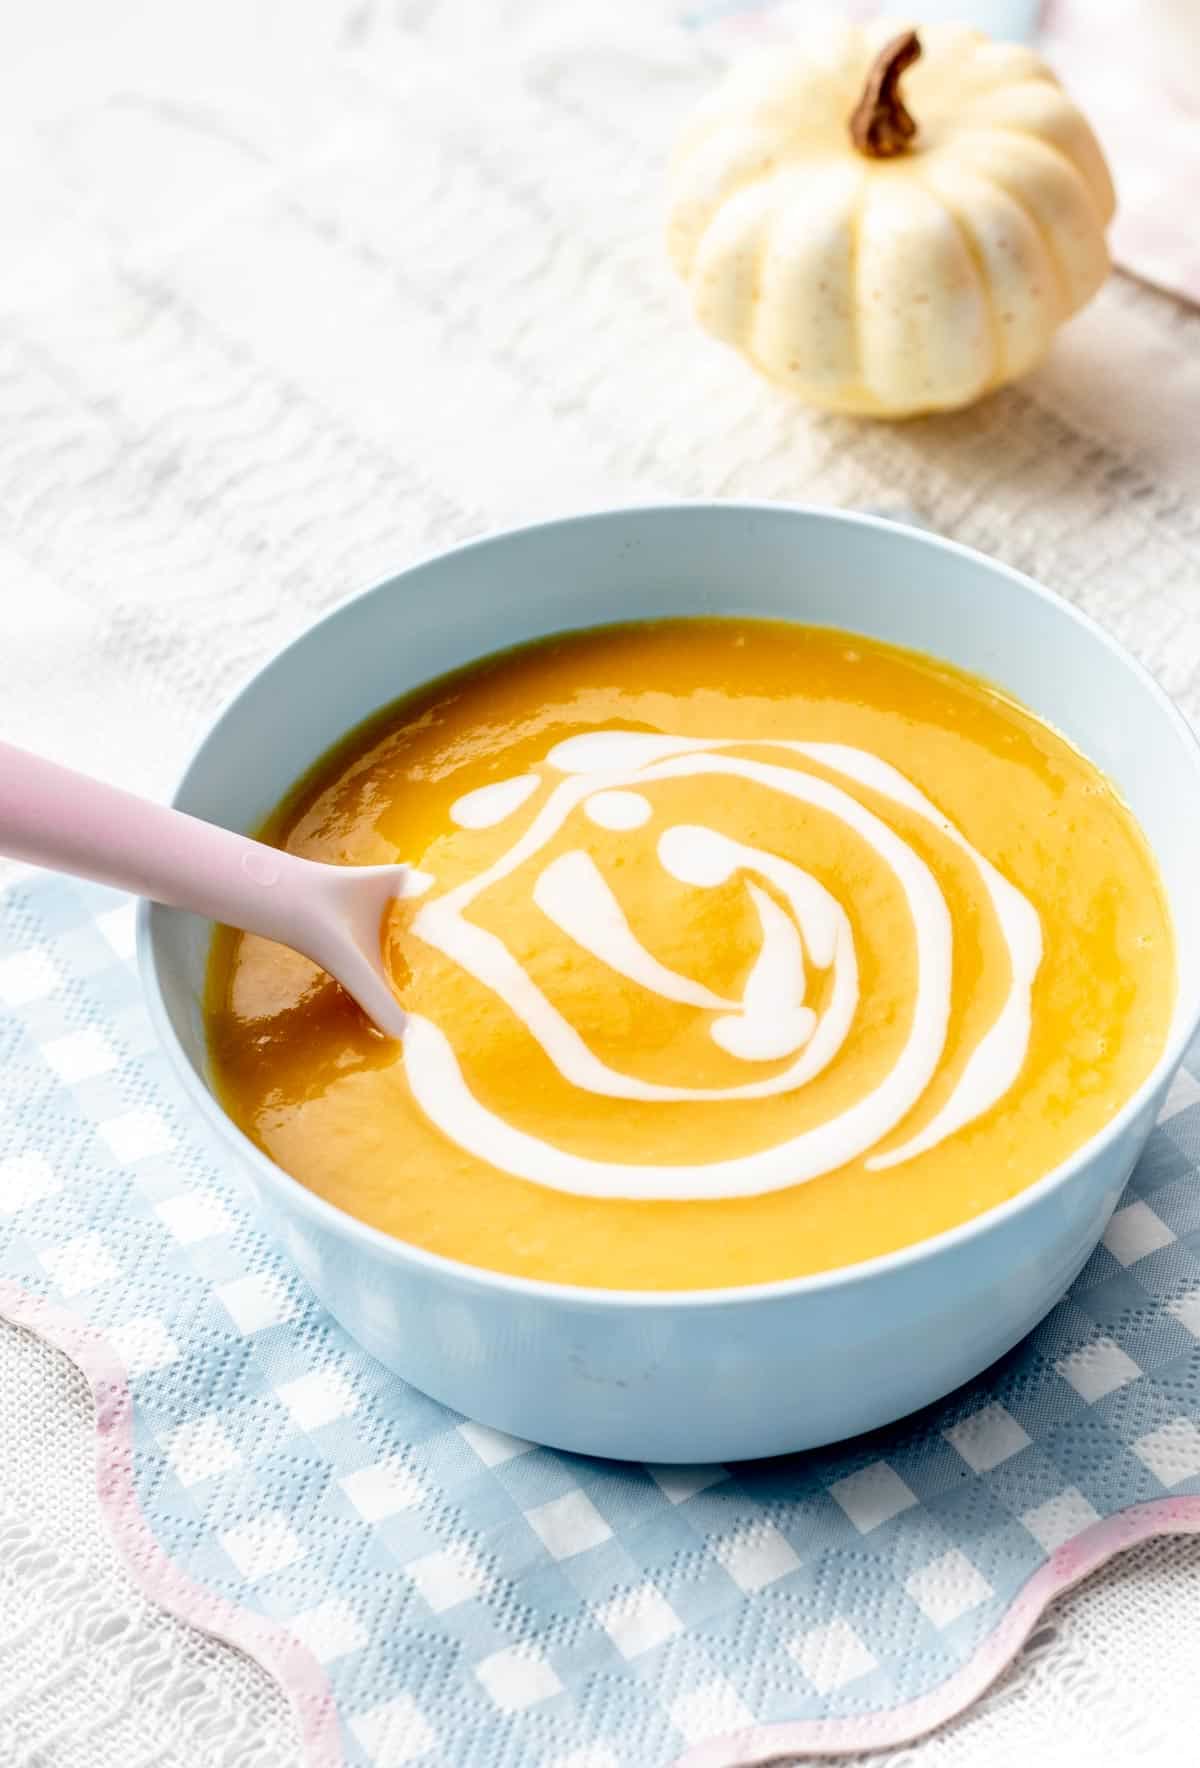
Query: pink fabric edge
{"points": [[297, 1671], [1074, 1560]]}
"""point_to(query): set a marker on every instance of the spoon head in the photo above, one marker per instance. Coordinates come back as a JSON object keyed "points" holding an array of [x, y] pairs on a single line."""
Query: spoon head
{"points": [[348, 907]]}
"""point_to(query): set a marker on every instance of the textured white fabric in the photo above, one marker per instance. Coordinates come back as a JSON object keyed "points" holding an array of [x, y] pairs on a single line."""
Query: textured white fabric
{"points": [[285, 307], [92, 1675]]}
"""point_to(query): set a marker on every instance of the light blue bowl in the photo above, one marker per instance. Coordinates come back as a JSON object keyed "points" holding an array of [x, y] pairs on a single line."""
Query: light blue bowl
{"points": [[727, 1374]]}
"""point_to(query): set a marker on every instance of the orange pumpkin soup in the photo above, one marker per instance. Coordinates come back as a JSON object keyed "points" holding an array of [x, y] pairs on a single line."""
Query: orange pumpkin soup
{"points": [[735, 950]]}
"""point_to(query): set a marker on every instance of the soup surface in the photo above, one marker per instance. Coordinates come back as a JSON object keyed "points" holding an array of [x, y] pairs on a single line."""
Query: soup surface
{"points": [[733, 951]]}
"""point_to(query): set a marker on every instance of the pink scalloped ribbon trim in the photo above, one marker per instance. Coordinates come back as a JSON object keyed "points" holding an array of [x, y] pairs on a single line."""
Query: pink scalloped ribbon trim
{"points": [[293, 1667], [307, 1688], [1074, 1560]]}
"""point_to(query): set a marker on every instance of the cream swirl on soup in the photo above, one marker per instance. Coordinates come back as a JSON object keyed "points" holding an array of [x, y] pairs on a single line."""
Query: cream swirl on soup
{"points": [[686, 973], [806, 936]]}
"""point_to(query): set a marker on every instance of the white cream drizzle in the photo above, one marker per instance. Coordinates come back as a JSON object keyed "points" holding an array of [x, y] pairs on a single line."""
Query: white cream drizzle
{"points": [[996, 1061], [771, 1024], [573, 894], [489, 805], [802, 927], [618, 810]]}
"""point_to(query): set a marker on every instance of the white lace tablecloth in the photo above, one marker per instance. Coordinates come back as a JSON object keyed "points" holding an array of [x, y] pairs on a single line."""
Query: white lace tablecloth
{"points": [[296, 293]]}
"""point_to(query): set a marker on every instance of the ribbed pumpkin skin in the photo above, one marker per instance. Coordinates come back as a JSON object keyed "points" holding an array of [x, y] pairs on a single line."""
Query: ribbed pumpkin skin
{"points": [[890, 286]]}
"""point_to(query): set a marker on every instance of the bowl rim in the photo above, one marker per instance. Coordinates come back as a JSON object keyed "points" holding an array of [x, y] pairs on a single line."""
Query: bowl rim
{"points": [[1185, 1026]]}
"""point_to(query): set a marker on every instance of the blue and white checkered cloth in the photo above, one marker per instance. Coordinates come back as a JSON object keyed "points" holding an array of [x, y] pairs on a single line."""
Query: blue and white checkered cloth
{"points": [[476, 1600]]}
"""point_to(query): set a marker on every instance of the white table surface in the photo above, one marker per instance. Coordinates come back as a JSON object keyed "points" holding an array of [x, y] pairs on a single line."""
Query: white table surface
{"points": [[294, 293]]}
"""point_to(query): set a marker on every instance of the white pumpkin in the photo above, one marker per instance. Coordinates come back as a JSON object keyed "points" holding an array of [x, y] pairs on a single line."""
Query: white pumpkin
{"points": [[890, 238]]}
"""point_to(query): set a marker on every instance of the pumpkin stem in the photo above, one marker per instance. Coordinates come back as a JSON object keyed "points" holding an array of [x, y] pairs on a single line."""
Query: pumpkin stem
{"points": [[880, 126]]}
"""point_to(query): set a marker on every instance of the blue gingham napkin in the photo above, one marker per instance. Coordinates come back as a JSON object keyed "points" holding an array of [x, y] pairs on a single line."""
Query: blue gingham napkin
{"points": [[454, 1596]]}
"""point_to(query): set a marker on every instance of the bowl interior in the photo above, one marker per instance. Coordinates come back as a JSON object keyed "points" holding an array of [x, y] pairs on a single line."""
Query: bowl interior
{"points": [[815, 566]]}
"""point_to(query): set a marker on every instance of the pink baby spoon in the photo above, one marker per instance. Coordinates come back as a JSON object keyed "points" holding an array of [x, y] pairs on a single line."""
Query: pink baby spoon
{"points": [[50, 816]]}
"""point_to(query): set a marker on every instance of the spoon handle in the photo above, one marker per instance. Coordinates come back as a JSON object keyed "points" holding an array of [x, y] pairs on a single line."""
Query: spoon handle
{"points": [[52, 816]]}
